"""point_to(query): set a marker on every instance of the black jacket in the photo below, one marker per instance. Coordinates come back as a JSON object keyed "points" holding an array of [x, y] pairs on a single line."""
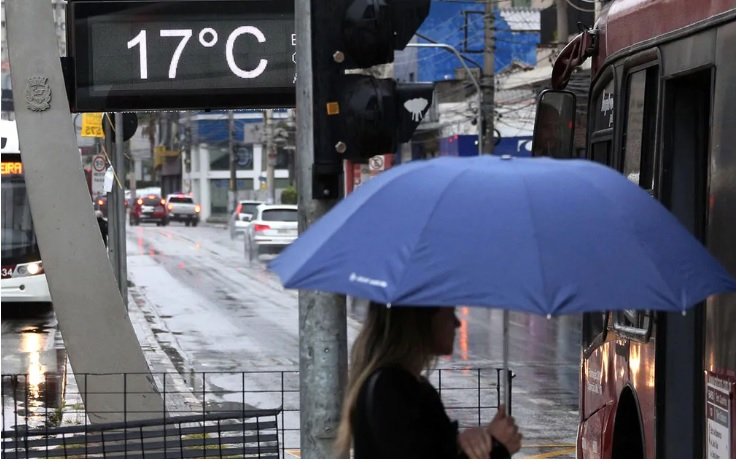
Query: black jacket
{"points": [[399, 416], [103, 229]]}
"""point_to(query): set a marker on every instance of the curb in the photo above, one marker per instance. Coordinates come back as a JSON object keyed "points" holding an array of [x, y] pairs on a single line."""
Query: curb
{"points": [[179, 399]]}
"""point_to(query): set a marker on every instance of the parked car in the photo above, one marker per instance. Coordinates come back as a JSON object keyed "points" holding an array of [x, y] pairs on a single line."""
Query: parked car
{"points": [[272, 229], [244, 212], [149, 208], [180, 207]]}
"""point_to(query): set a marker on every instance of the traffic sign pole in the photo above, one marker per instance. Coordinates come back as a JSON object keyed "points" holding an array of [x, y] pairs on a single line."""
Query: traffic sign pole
{"points": [[119, 209]]}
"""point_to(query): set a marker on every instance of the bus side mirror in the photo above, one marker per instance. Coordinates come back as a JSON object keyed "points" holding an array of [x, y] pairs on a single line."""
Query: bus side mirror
{"points": [[555, 121]]}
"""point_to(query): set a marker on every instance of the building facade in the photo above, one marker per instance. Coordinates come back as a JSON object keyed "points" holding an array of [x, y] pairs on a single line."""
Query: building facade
{"points": [[206, 164]]}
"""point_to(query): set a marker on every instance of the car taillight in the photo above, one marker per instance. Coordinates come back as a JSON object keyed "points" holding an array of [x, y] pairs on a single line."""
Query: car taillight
{"points": [[238, 209], [100, 202], [163, 202], [261, 227], [170, 207], [139, 201], [197, 208]]}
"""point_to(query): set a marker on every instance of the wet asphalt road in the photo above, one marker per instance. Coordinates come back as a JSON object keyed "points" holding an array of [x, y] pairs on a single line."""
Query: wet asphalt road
{"points": [[218, 314]]}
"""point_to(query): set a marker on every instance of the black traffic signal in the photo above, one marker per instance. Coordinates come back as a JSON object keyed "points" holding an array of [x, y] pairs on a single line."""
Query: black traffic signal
{"points": [[130, 125], [358, 116]]}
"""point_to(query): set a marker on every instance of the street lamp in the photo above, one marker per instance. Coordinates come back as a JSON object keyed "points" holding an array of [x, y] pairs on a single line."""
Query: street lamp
{"points": [[475, 82]]}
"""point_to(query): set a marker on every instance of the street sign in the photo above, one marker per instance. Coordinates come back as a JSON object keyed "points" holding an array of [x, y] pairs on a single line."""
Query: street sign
{"points": [[99, 166], [92, 125], [167, 54]]}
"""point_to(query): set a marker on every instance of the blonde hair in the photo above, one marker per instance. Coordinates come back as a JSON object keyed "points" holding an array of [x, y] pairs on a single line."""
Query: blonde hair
{"points": [[400, 336]]}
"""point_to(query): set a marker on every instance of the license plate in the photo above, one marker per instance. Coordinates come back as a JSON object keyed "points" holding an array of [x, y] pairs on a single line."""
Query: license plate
{"points": [[285, 231]]}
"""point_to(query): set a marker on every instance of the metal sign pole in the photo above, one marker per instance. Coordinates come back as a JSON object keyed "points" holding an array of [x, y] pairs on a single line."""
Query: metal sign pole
{"points": [[119, 210], [112, 236]]}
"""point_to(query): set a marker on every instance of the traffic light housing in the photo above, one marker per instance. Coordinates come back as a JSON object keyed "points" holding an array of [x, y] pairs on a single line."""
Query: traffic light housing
{"points": [[358, 116]]}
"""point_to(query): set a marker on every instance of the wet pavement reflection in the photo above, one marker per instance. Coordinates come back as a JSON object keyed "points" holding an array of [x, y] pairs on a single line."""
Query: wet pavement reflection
{"points": [[33, 366]]}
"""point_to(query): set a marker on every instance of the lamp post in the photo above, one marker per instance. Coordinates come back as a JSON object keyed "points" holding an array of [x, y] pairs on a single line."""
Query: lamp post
{"points": [[475, 82]]}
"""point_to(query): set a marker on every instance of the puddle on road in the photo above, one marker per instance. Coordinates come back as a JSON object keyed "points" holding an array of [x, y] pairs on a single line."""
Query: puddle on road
{"points": [[34, 371]]}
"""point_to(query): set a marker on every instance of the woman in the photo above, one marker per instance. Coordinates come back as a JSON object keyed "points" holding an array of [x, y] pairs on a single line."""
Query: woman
{"points": [[391, 410]]}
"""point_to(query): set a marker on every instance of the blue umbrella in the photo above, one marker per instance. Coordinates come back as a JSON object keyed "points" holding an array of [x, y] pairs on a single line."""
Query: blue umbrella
{"points": [[536, 235], [543, 236]]}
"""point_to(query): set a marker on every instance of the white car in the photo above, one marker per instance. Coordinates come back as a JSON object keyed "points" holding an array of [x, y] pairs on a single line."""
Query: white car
{"points": [[272, 229], [244, 212]]}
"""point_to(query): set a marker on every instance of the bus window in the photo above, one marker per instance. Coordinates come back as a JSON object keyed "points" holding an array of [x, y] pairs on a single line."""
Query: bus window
{"points": [[593, 328], [639, 132], [601, 120], [601, 152], [638, 141], [602, 115]]}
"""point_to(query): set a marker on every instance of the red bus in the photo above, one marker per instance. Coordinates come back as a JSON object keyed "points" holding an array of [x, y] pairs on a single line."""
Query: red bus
{"points": [[661, 110]]}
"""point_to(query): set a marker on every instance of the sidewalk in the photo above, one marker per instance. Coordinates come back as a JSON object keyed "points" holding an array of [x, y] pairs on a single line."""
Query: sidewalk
{"points": [[144, 318]]}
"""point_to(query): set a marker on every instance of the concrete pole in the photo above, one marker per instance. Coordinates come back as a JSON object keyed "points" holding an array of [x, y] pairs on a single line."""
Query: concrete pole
{"points": [[98, 336], [119, 209], [233, 190], [270, 154], [323, 357], [562, 23], [487, 80]]}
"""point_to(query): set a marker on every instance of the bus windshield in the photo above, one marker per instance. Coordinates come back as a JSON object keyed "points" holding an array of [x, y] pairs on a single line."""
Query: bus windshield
{"points": [[18, 238]]}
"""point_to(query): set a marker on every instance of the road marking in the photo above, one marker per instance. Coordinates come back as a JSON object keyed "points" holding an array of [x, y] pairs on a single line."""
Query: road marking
{"points": [[550, 454], [295, 453]]}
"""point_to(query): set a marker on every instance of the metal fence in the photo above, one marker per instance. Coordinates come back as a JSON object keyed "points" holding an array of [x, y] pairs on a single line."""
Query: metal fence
{"points": [[470, 395]]}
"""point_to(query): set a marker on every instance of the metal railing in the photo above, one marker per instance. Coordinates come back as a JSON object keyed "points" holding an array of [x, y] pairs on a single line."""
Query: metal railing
{"points": [[470, 395]]}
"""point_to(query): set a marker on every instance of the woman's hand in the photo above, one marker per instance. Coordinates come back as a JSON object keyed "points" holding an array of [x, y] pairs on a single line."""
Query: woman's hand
{"points": [[475, 442], [503, 429]]}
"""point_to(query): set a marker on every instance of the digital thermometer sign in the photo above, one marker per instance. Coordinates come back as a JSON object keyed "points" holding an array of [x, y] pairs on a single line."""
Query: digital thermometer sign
{"points": [[185, 54]]}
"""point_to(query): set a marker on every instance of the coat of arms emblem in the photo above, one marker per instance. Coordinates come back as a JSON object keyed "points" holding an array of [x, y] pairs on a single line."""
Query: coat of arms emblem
{"points": [[38, 93]]}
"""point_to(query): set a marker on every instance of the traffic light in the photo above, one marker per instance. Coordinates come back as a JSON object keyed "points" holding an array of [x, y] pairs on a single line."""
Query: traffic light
{"points": [[358, 116]]}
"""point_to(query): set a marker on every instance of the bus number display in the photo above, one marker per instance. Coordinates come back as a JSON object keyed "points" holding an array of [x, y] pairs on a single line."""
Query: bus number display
{"points": [[11, 168]]}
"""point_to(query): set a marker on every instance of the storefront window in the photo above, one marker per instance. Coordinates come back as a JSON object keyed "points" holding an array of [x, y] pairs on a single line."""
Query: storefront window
{"points": [[219, 194], [220, 159]]}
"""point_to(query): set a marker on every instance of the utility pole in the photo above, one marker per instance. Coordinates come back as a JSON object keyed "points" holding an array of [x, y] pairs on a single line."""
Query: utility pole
{"points": [[487, 80], [131, 183], [112, 237], [188, 151], [233, 190], [270, 154], [562, 23], [323, 355]]}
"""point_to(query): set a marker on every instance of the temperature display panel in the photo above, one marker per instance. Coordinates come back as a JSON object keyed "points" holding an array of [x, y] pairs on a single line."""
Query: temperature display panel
{"points": [[185, 54]]}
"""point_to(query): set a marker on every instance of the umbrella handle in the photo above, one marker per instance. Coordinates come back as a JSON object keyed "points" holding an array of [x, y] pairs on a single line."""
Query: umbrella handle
{"points": [[506, 397]]}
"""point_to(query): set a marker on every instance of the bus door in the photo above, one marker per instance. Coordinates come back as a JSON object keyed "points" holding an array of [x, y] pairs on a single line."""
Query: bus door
{"points": [[684, 176]]}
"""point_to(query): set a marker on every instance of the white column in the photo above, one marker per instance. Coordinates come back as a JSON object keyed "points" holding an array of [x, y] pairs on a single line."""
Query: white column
{"points": [[258, 165], [202, 170]]}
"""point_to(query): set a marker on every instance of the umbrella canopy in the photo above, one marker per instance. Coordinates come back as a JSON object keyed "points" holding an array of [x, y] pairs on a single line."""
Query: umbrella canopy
{"points": [[538, 235]]}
